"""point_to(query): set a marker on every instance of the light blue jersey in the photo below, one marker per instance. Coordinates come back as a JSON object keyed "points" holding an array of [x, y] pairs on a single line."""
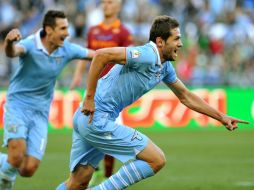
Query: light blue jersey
{"points": [[33, 83], [120, 87], [31, 91], [124, 84]]}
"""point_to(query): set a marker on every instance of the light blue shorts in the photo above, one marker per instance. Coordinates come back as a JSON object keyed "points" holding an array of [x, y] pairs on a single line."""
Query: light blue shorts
{"points": [[29, 124], [91, 142]]}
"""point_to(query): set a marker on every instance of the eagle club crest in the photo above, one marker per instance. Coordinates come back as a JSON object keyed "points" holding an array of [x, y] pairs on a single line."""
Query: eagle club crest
{"points": [[58, 59], [158, 75], [137, 136]]}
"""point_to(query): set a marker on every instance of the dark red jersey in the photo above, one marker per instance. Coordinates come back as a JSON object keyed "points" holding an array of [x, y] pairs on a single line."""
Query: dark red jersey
{"points": [[103, 36]]}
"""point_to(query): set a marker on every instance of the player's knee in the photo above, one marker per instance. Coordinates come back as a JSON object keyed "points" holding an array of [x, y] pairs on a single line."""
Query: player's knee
{"points": [[28, 170], [162, 161], [159, 162], [15, 159], [16, 152]]}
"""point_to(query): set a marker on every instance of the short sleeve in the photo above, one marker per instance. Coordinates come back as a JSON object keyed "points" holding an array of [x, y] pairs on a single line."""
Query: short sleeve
{"points": [[170, 74], [26, 44], [76, 51], [140, 56]]}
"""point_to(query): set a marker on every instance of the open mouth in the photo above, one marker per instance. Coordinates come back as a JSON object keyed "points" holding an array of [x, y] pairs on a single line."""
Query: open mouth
{"points": [[62, 38], [175, 52]]}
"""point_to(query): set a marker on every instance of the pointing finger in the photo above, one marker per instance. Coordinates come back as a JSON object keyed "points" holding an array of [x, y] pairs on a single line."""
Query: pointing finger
{"points": [[91, 118], [242, 121]]}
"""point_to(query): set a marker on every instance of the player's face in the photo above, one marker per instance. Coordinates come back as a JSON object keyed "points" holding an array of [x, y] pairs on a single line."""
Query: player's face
{"points": [[110, 7], [172, 45], [59, 32]]}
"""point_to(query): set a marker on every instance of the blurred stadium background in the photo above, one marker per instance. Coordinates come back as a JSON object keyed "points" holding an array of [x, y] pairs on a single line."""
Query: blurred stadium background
{"points": [[217, 62]]}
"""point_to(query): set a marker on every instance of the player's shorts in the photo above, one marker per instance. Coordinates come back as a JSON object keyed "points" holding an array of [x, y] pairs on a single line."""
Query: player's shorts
{"points": [[29, 124], [103, 136]]}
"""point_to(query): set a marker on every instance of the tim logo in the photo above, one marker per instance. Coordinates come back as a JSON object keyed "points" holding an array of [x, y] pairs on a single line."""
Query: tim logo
{"points": [[137, 136], [135, 54]]}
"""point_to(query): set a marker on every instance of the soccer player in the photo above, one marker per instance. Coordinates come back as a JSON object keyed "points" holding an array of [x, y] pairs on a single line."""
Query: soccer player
{"points": [[42, 56], [110, 33], [95, 132]]}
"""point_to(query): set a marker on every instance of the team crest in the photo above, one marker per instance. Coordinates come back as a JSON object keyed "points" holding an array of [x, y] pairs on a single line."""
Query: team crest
{"points": [[137, 136], [158, 75], [135, 53], [12, 129], [58, 60]]}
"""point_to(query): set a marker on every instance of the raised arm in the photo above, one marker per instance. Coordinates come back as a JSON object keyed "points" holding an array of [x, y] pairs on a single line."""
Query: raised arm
{"points": [[197, 104], [11, 49], [101, 58]]}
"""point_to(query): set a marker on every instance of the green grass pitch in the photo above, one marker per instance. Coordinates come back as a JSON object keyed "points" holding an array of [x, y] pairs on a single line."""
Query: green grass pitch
{"points": [[196, 160]]}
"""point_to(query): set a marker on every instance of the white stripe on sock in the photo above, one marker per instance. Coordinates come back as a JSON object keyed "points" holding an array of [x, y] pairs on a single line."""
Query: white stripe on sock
{"points": [[102, 187], [121, 179], [114, 183], [135, 171], [128, 174]]}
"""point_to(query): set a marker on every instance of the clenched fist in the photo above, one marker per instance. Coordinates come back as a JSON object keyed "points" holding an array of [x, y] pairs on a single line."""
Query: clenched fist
{"points": [[13, 35]]}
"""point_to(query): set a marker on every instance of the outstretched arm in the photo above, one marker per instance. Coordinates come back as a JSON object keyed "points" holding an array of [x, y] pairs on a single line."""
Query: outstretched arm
{"points": [[80, 69], [197, 104], [90, 55], [101, 58], [78, 74], [11, 49]]}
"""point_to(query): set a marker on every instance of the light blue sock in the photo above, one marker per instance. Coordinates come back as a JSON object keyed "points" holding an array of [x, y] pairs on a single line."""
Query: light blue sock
{"points": [[127, 175], [62, 186], [3, 158], [8, 171]]}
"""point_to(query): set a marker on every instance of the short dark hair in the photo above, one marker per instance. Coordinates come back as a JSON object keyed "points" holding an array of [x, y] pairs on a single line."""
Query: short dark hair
{"points": [[161, 27], [50, 18]]}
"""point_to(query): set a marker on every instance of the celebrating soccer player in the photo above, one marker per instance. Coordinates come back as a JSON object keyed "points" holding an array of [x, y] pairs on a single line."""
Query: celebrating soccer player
{"points": [[109, 33], [42, 57], [139, 69]]}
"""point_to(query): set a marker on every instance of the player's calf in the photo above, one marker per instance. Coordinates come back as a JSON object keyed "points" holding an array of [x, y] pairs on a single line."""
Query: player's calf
{"points": [[154, 156], [80, 178], [127, 175]]}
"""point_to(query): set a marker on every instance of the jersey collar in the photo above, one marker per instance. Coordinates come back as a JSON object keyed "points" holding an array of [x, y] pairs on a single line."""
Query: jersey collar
{"points": [[157, 52], [40, 46], [114, 25], [38, 42]]}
